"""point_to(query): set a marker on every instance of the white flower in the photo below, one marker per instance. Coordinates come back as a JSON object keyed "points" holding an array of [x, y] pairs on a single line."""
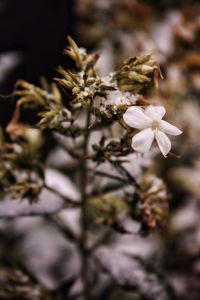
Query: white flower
{"points": [[152, 126], [117, 98], [82, 51]]}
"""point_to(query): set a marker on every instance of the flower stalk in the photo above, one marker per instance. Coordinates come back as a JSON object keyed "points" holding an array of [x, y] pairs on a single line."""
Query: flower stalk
{"points": [[83, 218]]}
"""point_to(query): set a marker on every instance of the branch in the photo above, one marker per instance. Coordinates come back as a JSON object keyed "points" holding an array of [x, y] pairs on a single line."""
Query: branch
{"points": [[104, 174], [68, 202]]}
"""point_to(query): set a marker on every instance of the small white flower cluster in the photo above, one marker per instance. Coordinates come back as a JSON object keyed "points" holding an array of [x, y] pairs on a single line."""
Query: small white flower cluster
{"points": [[82, 51], [117, 98], [108, 80], [150, 122]]}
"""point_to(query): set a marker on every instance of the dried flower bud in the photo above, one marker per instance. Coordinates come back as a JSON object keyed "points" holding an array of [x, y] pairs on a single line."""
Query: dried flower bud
{"points": [[136, 72], [152, 203], [107, 208]]}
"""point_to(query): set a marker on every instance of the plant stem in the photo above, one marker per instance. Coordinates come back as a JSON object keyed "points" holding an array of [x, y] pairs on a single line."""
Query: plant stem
{"points": [[83, 188]]}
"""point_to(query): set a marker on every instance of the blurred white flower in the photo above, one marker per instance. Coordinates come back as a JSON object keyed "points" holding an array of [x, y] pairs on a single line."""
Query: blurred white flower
{"points": [[8, 62], [152, 126], [117, 98]]}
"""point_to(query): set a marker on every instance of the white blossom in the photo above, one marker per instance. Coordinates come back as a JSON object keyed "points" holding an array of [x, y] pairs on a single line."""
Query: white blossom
{"points": [[150, 122], [82, 51], [108, 80], [117, 98]]}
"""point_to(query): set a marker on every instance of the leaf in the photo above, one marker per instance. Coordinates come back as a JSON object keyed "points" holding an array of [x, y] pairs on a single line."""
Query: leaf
{"points": [[130, 273]]}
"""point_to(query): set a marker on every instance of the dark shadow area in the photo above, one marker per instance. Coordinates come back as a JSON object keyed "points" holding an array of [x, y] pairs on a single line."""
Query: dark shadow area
{"points": [[32, 37]]}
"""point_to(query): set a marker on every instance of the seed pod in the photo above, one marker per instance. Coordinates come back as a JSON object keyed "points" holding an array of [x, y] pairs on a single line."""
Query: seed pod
{"points": [[76, 90], [138, 77], [142, 59], [130, 60], [92, 61], [132, 88], [72, 44], [144, 69], [69, 53], [66, 83], [65, 74], [56, 93]]}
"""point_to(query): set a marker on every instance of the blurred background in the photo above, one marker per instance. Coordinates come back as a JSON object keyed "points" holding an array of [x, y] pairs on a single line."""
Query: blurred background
{"points": [[32, 38]]}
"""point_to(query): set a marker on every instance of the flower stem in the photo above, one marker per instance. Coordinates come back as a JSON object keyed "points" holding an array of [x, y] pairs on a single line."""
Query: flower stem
{"points": [[83, 188]]}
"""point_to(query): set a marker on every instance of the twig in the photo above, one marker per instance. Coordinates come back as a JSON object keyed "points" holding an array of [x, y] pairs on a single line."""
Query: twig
{"points": [[68, 150], [104, 174], [128, 175], [31, 214], [83, 187], [101, 240], [107, 189], [64, 229], [69, 202]]}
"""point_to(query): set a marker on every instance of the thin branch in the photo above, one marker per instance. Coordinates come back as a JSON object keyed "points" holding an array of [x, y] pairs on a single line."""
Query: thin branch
{"points": [[68, 150], [101, 240], [68, 202], [30, 214], [104, 174], [107, 189], [36, 214], [127, 174], [83, 187], [63, 228]]}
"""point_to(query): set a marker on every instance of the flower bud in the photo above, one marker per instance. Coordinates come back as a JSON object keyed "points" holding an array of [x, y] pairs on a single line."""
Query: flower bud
{"points": [[145, 69]]}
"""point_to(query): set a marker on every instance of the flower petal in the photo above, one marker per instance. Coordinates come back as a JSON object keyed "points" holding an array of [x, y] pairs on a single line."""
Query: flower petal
{"points": [[163, 142], [142, 141], [155, 112], [169, 129], [134, 117]]}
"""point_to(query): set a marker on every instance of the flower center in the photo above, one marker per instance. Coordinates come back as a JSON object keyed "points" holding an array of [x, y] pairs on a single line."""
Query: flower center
{"points": [[155, 125]]}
